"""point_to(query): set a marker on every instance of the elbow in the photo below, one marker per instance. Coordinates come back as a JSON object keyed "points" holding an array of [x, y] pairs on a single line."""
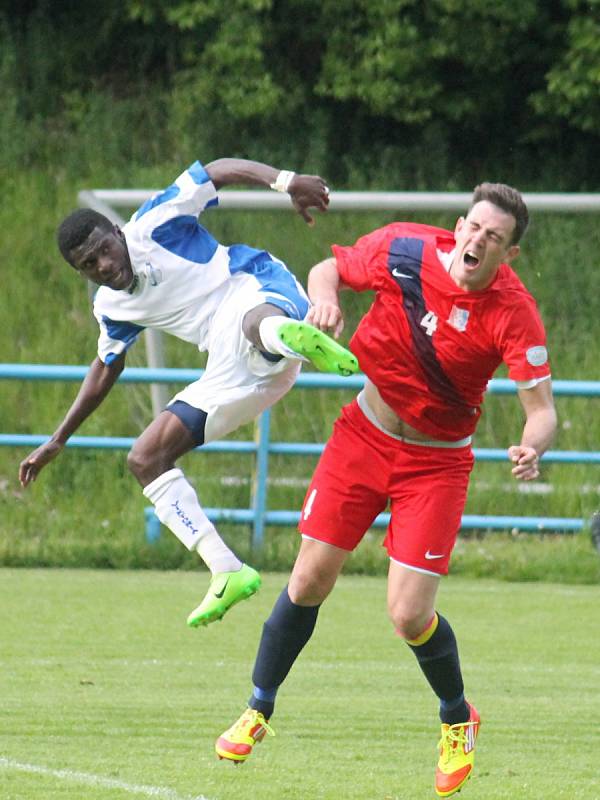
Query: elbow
{"points": [[118, 366], [325, 271], [109, 373], [218, 171], [548, 426], [552, 422], [113, 367]]}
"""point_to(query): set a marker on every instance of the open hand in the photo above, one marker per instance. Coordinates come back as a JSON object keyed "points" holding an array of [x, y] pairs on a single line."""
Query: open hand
{"points": [[31, 466]]}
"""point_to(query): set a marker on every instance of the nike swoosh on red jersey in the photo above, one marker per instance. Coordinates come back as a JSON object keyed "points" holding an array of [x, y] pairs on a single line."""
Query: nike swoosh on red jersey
{"points": [[429, 555]]}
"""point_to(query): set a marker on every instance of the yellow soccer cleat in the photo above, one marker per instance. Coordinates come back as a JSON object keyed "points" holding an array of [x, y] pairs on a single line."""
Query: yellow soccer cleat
{"points": [[457, 753], [236, 743]]}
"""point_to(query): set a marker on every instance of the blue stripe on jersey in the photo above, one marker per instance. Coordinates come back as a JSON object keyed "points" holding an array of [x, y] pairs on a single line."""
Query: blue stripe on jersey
{"points": [[185, 237], [163, 197], [122, 331], [296, 309], [197, 173], [247, 259], [404, 263], [126, 332], [273, 278]]}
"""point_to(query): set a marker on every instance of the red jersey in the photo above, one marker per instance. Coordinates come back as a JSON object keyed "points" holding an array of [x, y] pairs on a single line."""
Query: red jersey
{"points": [[430, 347]]}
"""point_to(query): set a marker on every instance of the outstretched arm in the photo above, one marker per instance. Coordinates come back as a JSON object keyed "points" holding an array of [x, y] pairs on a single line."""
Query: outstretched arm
{"points": [[324, 284], [538, 432], [96, 385], [306, 191]]}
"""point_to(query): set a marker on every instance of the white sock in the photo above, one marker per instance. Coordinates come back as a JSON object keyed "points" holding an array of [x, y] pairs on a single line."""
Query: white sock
{"points": [[268, 331], [176, 505]]}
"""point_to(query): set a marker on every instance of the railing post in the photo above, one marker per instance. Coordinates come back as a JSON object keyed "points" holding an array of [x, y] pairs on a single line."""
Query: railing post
{"points": [[152, 525], [259, 483], [156, 358]]}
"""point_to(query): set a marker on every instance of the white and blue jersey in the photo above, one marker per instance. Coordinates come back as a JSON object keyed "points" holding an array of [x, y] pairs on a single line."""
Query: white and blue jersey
{"points": [[182, 274]]}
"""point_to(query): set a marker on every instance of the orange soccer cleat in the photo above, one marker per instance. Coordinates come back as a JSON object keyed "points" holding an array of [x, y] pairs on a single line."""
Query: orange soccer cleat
{"points": [[457, 753], [237, 742]]}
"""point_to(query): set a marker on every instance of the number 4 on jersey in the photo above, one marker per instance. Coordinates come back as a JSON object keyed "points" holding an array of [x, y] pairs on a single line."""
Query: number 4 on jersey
{"points": [[429, 322]]}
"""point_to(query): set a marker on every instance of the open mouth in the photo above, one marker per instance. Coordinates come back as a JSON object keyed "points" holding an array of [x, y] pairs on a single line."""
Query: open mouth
{"points": [[471, 260]]}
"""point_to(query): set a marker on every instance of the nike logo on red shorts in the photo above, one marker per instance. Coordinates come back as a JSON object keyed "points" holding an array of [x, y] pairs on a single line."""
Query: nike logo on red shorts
{"points": [[429, 555]]}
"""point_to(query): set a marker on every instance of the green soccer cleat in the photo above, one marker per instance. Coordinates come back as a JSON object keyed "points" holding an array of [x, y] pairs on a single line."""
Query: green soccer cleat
{"points": [[324, 352], [225, 590]]}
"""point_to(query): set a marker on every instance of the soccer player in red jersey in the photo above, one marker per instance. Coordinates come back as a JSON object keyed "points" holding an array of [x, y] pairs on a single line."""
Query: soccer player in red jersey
{"points": [[448, 310]]}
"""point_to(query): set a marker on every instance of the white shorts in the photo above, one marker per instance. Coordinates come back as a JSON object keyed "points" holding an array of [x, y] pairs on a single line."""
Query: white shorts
{"points": [[238, 383]]}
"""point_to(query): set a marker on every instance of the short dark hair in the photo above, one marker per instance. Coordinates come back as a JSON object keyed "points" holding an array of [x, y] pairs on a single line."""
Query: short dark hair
{"points": [[76, 227], [509, 200]]}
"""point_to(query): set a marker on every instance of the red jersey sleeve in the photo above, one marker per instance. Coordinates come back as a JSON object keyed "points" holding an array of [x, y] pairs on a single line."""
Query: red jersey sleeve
{"points": [[522, 341], [359, 264]]}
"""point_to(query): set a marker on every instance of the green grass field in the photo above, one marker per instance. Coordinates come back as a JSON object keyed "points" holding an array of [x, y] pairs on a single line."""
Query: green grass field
{"points": [[106, 693]]}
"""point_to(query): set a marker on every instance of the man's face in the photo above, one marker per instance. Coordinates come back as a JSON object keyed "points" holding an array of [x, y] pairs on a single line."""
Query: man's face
{"points": [[483, 242], [104, 259]]}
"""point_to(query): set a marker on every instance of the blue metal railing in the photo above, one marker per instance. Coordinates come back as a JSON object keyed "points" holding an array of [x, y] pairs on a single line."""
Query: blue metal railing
{"points": [[258, 516]]}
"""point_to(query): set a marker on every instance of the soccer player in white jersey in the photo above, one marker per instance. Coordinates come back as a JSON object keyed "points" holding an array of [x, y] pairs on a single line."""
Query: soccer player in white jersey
{"points": [[242, 305]]}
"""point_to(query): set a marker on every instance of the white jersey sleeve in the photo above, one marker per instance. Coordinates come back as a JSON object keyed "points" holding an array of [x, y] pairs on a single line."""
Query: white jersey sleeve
{"points": [[188, 196], [115, 338]]}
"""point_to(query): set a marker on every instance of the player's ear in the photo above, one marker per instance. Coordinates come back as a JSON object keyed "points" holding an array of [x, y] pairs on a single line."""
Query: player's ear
{"points": [[71, 262], [459, 223], [512, 252]]}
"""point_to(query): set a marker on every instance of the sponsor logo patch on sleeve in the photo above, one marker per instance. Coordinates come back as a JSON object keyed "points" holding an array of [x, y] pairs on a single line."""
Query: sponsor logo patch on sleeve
{"points": [[537, 356]]}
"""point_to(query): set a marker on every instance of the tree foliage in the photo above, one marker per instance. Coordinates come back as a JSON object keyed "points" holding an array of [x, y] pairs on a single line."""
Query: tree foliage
{"points": [[342, 84], [573, 79]]}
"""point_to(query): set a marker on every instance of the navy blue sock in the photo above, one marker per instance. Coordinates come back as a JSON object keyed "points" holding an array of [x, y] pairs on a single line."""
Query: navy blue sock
{"points": [[285, 633], [438, 659], [272, 357], [454, 711]]}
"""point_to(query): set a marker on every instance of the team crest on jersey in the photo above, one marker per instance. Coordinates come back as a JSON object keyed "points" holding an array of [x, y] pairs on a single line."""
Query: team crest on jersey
{"points": [[147, 274], [458, 318], [151, 274], [537, 356]]}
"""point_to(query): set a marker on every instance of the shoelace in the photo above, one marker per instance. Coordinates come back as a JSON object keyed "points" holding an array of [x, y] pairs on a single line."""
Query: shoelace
{"points": [[251, 717], [453, 736], [267, 727]]}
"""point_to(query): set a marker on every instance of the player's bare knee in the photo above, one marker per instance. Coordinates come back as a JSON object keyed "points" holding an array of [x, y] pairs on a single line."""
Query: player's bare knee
{"points": [[253, 318], [141, 465], [409, 623], [308, 588]]}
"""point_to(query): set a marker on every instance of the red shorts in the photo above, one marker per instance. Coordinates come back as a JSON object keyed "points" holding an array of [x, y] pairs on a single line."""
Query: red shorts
{"points": [[362, 468]]}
